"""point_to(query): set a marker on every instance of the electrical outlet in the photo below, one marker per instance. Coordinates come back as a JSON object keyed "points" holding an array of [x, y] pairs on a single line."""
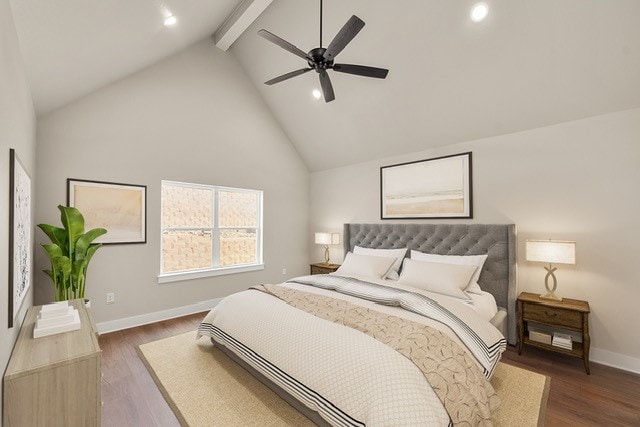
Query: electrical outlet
{"points": [[111, 298], [284, 270]]}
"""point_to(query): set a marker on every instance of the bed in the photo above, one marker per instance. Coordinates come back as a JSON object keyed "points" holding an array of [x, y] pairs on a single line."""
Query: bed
{"points": [[330, 344]]}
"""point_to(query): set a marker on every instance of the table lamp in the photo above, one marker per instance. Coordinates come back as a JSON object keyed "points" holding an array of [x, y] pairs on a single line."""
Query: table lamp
{"points": [[551, 251], [327, 239]]}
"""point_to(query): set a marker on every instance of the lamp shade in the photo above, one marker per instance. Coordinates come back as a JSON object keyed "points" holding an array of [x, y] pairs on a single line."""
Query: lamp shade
{"points": [[327, 238], [323, 238], [551, 251]]}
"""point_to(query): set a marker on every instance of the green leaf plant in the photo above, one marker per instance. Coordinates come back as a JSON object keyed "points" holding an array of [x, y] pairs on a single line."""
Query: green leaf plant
{"points": [[70, 251]]}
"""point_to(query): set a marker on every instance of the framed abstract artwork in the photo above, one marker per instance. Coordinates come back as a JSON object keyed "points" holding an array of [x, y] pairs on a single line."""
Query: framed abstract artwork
{"points": [[120, 208], [438, 188], [19, 235]]}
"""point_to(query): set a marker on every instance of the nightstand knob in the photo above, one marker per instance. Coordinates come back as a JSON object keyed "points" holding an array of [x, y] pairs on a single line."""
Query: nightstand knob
{"points": [[552, 314]]}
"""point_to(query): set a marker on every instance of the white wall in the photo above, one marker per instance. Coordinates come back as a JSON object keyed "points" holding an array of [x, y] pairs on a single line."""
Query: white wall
{"points": [[194, 117], [577, 181], [17, 131]]}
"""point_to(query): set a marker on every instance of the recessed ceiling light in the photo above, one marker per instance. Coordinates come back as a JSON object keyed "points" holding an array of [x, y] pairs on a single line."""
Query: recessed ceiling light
{"points": [[316, 94], [479, 11], [170, 20]]}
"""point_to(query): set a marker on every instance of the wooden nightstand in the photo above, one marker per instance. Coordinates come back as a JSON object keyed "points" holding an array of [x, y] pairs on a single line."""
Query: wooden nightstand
{"points": [[568, 314], [323, 268]]}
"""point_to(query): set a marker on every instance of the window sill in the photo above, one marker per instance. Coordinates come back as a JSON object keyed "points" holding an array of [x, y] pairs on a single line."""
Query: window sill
{"points": [[199, 274]]}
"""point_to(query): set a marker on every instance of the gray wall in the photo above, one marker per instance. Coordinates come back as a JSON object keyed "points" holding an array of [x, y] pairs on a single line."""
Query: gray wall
{"points": [[17, 131], [577, 180], [194, 117]]}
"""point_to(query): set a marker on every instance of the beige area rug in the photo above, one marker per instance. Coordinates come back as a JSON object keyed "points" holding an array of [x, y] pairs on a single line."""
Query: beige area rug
{"points": [[204, 387]]}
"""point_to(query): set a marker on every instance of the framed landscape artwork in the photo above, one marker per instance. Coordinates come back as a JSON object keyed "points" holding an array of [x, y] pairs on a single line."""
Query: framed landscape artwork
{"points": [[120, 208], [436, 188], [19, 235]]}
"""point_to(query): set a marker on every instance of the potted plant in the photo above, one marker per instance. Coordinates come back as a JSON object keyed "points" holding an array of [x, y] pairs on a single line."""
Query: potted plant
{"points": [[70, 251]]}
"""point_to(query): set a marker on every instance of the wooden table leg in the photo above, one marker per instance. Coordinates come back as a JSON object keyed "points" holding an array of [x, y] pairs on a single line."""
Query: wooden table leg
{"points": [[586, 342], [520, 328]]}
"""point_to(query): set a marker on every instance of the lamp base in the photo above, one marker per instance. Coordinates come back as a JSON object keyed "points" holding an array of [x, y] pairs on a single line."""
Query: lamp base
{"points": [[551, 290], [551, 296]]}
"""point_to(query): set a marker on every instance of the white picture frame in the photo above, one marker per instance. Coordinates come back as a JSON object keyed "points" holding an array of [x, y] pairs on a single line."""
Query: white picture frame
{"points": [[20, 235]]}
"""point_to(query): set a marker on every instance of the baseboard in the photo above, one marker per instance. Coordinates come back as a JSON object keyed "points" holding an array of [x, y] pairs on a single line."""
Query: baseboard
{"points": [[615, 360], [143, 319]]}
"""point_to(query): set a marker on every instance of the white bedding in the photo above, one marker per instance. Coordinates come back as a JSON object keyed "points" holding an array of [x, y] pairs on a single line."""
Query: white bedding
{"points": [[348, 377], [484, 304]]}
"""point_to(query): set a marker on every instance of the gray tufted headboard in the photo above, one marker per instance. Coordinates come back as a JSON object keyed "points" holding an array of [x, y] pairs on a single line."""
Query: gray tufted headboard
{"points": [[498, 241]]}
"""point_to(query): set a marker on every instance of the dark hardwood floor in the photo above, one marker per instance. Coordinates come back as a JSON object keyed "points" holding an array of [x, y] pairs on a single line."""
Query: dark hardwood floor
{"points": [[607, 397], [130, 396]]}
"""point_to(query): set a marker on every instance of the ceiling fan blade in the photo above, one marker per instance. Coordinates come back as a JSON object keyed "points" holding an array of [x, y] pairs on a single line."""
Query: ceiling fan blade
{"points": [[361, 70], [344, 36], [283, 44], [287, 76], [327, 88]]}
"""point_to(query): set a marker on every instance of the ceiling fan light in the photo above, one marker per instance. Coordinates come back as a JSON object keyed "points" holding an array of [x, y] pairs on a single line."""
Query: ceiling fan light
{"points": [[170, 20], [479, 11], [316, 94]]}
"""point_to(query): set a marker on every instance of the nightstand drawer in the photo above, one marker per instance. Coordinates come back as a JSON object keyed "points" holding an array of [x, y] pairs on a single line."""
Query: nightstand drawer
{"points": [[553, 316], [322, 268], [319, 270]]}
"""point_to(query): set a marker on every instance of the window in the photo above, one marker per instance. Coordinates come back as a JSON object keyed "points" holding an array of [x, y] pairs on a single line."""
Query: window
{"points": [[209, 230]]}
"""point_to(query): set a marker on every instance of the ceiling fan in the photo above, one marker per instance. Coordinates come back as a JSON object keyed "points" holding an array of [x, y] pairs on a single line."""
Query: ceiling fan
{"points": [[321, 59]]}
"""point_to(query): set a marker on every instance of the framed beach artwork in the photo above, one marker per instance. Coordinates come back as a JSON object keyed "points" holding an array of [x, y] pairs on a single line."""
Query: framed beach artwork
{"points": [[19, 235], [438, 188], [120, 208]]}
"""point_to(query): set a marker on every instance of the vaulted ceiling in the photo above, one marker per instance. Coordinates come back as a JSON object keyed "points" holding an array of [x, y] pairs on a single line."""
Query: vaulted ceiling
{"points": [[528, 64], [73, 47]]}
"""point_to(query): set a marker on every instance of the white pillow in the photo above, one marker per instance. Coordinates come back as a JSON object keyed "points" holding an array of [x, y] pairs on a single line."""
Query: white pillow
{"points": [[355, 265], [398, 254], [477, 260], [447, 279]]}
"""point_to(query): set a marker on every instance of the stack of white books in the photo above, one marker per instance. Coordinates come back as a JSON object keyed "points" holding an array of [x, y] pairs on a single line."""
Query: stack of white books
{"points": [[539, 336], [56, 318], [562, 340]]}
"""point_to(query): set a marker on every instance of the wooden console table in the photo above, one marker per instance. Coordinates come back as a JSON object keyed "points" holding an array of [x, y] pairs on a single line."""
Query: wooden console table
{"points": [[54, 380]]}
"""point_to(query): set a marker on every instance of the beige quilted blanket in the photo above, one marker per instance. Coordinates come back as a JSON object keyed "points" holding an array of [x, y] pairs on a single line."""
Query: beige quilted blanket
{"points": [[462, 388]]}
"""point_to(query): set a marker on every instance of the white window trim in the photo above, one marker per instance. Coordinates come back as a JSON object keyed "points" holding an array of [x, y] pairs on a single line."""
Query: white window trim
{"points": [[216, 271], [209, 272]]}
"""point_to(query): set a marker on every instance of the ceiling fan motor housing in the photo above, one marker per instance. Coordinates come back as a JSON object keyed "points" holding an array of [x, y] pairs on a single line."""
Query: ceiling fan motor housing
{"points": [[318, 60]]}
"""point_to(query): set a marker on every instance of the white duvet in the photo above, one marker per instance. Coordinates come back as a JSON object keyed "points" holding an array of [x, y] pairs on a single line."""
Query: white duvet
{"points": [[348, 377]]}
